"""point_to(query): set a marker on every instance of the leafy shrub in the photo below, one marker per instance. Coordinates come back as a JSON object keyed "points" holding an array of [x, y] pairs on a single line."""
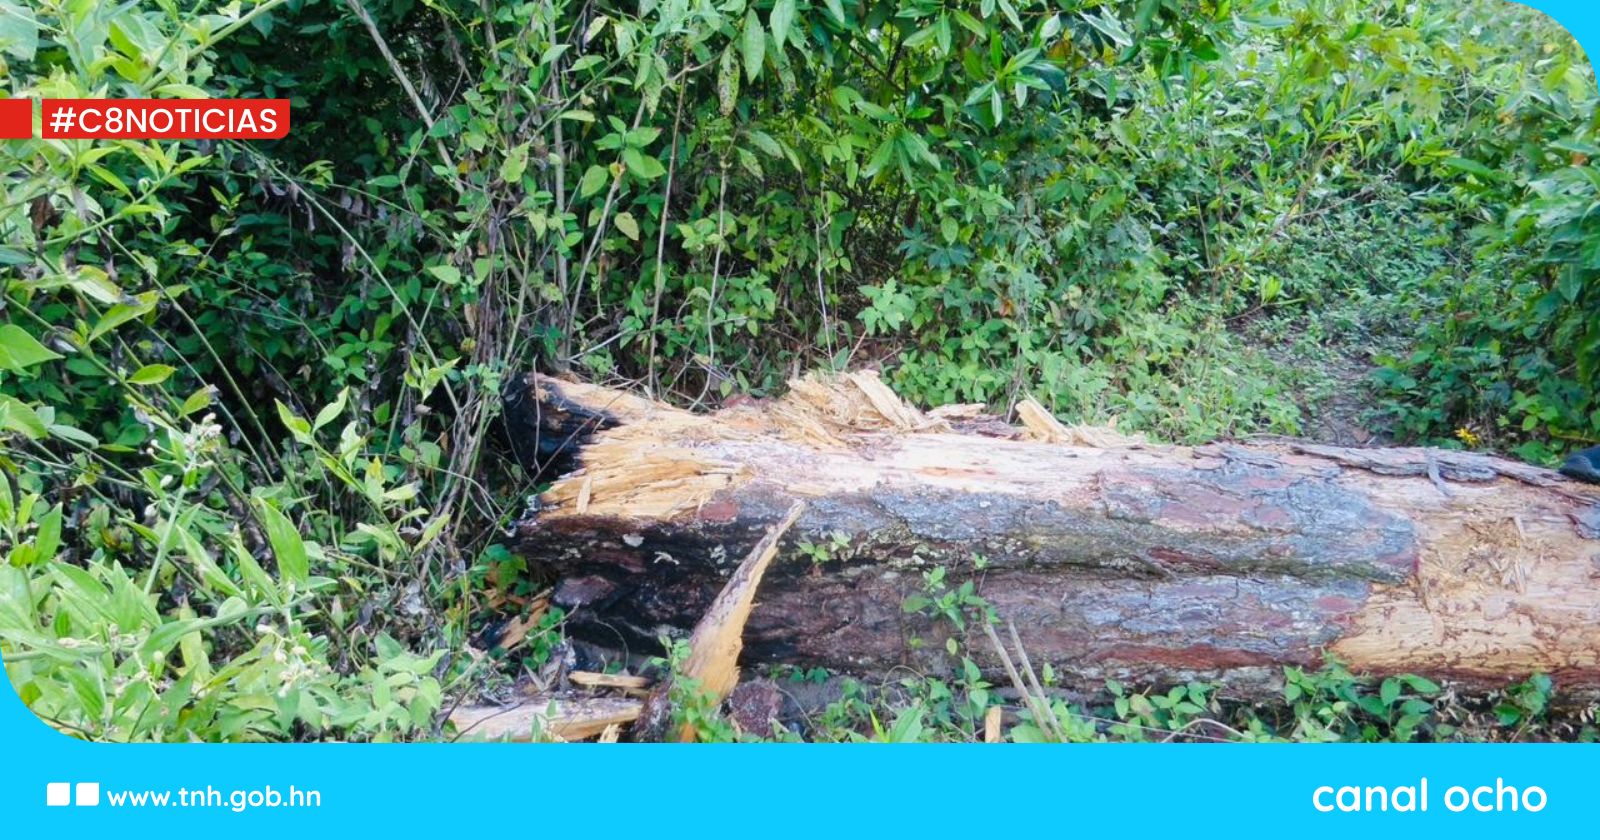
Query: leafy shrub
{"points": [[248, 392]]}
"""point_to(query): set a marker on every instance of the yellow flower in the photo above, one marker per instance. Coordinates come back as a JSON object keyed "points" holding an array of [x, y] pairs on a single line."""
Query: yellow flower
{"points": [[1466, 436]]}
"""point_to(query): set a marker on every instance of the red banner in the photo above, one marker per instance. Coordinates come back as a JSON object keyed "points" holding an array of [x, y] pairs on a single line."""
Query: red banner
{"points": [[165, 119], [16, 119]]}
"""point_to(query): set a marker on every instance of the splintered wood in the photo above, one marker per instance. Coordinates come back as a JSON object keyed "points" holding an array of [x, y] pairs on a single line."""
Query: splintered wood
{"points": [[627, 682], [718, 638], [1043, 426], [543, 717]]}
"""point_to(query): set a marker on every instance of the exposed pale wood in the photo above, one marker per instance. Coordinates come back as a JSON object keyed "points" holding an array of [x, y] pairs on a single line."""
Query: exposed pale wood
{"points": [[553, 718], [1131, 561], [517, 629], [991, 725], [718, 638], [1043, 426], [590, 679]]}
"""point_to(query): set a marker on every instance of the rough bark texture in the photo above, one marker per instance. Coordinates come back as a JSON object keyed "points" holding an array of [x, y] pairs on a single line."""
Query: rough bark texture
{"points": [[1114, 557]]}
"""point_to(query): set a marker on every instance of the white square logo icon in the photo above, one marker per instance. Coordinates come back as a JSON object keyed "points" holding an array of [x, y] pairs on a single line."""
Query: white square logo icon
{"points": [[88, 793], [58, 793]]}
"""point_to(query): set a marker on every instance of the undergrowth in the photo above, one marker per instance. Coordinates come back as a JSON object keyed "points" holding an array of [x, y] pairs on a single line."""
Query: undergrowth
{"points": [[253, 483], [1320, 705]]}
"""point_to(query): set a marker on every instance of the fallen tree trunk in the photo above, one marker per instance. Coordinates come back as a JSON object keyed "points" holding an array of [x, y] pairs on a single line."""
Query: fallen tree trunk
{"points": [[1114, 558]]}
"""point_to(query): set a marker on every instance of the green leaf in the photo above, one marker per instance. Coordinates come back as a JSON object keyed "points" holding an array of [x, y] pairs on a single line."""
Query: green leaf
{"points": [[754, 46], [880, 157], [252, 573], [1147, 13], [110, 179], [765, 143], [49, 537], [121, 313], [641, 165], [19, 30], [782, 19], [727, 81], [287, 545], [1470, 166], [8, 510], [447, 274], [836, 8], [641, 137], [515, 163], [19, 350], [93, 283], [178, 90], [210, 573], [165, 637], [331, 411], [61, 431], [1389, 691], [1110, 27], [151, 374], [18, 417], [628, 226], [593, 180], [196, 401], [296, 424], [1421, 685]]}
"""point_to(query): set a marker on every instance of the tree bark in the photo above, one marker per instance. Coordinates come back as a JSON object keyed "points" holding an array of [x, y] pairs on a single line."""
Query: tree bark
{"points": [[1114, 557]]}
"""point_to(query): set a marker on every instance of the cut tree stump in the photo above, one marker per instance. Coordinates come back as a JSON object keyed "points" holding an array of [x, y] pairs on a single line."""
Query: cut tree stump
{"points": [[1113, 557]]}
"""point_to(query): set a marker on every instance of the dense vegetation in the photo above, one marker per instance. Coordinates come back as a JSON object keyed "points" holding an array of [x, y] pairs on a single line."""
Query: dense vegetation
{"points": [[251, 478]]}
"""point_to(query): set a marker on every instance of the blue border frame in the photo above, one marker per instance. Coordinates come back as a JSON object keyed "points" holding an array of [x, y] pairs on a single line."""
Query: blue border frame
{"points": [[460, 790]]}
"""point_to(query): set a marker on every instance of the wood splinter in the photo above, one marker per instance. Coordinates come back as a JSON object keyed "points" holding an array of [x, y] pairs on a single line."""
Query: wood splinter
{"points": [[545, 717], [714, 647]]}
